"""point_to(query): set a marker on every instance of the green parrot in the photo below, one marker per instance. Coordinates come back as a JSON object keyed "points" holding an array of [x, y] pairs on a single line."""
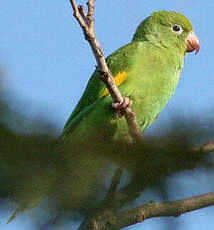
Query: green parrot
{"points": [[146, 70]]}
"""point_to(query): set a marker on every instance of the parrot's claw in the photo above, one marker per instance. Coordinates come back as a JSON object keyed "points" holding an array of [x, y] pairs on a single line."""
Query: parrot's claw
{"points": [[122, 105]]}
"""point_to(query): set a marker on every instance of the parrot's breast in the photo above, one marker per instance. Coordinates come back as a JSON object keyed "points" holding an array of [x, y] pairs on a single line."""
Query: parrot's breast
{"points": [[151, 82]]}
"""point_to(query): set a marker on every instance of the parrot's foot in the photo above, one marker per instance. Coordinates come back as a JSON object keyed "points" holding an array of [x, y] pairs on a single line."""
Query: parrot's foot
{"points": [[121, 106]]}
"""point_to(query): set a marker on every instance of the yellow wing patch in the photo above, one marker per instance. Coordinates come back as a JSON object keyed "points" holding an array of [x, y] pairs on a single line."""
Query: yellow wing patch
{"points": [[119, 79]]}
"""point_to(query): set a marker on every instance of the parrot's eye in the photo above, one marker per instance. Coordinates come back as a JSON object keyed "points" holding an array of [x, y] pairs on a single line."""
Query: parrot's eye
{"points": [[177, 29]]}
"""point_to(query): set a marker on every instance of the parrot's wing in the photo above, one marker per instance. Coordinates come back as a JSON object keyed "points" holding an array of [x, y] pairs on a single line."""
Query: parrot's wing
{"points": [[72, 121], [119, 63]]}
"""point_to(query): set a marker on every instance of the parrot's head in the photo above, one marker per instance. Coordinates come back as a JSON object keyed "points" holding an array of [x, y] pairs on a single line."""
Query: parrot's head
{"points": [[168, 29]]}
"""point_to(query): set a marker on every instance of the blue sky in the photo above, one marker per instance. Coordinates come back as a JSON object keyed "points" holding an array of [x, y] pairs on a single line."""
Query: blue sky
{"points": [[47, 63]]}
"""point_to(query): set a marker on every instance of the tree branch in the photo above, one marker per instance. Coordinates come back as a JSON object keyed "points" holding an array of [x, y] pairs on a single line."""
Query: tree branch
{"points": [[152, 209], [155, 209], [86, 21], [114, 183]]}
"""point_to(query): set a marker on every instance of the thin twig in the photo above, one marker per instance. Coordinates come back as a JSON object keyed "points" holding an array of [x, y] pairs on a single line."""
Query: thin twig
{"points": [[77, 14], [82, 13], [90, 4], [105, 74], [114, 182]]}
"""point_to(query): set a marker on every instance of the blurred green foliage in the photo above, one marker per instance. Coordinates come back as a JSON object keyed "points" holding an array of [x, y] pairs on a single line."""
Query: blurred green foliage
{"points": [[37, 166]]}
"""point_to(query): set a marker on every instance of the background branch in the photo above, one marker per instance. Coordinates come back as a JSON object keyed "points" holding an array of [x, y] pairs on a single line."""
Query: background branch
{"points": [[205, 148], [155, 209], [111, 221]]}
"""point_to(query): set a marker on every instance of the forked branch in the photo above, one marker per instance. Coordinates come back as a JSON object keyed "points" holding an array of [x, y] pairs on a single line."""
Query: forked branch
{"points": [[86, 21]]}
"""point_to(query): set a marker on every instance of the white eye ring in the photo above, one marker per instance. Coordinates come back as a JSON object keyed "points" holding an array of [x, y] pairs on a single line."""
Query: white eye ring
{"points": [[177, 29]]}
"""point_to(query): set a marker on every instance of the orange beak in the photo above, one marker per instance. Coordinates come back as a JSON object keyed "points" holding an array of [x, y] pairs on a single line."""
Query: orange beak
{"points": [[192, 42]]}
